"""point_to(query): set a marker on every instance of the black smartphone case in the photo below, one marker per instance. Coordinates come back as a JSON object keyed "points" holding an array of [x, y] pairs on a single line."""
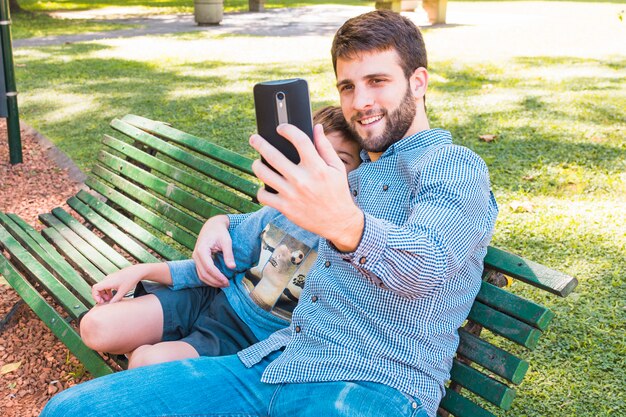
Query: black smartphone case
{"points": [[297, 111]]}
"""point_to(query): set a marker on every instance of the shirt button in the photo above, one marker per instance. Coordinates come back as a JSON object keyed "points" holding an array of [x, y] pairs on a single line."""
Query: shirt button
{"points": [[414, 405], [385, 187], [362, 260], [354, 193], [314, 298], [327, 264], [298, 329]]}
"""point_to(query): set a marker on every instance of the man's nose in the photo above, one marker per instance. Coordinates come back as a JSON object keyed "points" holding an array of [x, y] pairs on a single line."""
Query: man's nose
{"points": [[363, 99]]}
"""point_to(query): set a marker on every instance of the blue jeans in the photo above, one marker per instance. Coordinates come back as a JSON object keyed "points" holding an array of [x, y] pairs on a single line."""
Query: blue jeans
{"points": [[223, 386]]}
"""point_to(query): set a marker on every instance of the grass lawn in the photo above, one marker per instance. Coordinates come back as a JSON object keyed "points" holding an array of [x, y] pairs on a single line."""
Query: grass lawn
{"points": [[37, 22], [170, 6], [558, 165], [28, 25]]}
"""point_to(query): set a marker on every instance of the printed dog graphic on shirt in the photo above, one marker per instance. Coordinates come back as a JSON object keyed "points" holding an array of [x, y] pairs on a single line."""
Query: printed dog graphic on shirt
{"points": [[276, 281]]}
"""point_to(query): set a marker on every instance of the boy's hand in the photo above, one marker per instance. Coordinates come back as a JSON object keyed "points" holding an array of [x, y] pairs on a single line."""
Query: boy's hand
{"points": [[213, 238], [112, 288]]}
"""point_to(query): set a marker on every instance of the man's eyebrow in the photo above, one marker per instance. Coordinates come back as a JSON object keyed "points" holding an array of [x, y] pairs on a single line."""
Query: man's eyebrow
{"points": [[367, 77]]}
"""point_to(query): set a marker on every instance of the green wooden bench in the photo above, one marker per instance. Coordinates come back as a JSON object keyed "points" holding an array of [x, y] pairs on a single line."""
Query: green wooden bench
{"points": [[150, 192]]}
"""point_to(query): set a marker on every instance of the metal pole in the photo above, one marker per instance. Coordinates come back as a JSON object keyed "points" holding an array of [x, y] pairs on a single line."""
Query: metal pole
{"points": [[13, 121]]}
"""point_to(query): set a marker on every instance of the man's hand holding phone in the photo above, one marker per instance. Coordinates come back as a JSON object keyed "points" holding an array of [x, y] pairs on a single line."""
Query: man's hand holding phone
{"points": [[314, 194]]}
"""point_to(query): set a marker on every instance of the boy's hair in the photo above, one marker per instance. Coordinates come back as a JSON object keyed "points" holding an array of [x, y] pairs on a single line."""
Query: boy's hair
{"points": [[332, 119], [378, 31]]}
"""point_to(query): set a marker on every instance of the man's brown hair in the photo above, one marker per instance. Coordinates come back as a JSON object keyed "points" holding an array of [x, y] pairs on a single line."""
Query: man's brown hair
{"points": [[381, 30], [331, 118]]}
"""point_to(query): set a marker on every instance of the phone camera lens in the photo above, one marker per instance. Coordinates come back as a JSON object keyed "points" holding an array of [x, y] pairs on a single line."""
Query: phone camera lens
{"points": [[280, 96]]}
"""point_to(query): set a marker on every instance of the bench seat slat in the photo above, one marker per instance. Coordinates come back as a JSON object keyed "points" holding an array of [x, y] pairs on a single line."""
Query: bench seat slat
{"points": [[96, 242], [530, 272], [20, 256], [63, 330], [159, 223], [89, 252], [515, 306], [132, 228], [460, 406], [200, 184], [211, 150], [497, 360], [74, 257], [504, 325], [133, 248], [47, 255], [488, 388], [169, 191]]}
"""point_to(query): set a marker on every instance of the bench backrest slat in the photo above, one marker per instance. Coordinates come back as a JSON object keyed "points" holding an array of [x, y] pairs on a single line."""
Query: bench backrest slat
{"points": [[112, 232], [197, 155], [462, 407], [149, 190], [195, 143], [497, 360], [195, 182], [530, 272], [486, 387], [515, 306], [133, 229], [504, 325], [157, 222]]}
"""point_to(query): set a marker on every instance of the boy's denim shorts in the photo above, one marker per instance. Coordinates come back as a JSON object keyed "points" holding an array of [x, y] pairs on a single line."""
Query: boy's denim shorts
{"points": [[201, 317]]}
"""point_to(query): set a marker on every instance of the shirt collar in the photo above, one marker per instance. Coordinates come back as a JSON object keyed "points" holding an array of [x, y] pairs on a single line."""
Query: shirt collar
{"points": [[423, 139]]}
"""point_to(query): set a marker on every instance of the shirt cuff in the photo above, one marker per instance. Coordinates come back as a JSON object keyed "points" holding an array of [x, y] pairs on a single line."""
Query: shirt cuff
{"points": [[372, 245], [184, 274], [235, 220]]}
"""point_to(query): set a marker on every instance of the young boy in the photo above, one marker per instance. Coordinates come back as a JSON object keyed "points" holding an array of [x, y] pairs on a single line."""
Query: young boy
{"points": [[181, 317]]}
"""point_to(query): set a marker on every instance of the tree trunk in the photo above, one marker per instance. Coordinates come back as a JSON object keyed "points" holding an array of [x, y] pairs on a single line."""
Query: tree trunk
{"points": [[15, 7]]}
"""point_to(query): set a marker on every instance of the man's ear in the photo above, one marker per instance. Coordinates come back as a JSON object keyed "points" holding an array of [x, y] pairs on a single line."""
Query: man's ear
{"points": [[419, 82]]}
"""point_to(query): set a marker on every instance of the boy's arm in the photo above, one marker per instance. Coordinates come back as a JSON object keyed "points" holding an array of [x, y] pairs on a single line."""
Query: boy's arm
{"points": [[112, 288]]}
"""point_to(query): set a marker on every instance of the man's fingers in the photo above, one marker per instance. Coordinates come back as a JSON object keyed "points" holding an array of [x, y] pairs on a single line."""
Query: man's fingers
{"points": [[325, 148], [268, 176], [272, 155], [299, 139]]}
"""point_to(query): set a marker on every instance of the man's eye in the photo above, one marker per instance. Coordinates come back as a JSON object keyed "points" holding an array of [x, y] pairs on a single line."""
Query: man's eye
{"points": [[345, 88], [344, 161]]}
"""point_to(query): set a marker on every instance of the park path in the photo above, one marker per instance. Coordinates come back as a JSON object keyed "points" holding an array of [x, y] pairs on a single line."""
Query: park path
{"points": [[475, 30]]}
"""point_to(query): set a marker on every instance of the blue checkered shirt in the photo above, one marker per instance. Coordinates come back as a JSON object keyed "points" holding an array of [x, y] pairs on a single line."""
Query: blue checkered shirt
{"points": [[389, 311]]}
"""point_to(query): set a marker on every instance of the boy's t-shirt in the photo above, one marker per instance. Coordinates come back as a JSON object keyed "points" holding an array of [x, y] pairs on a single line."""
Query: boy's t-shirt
{"points": [[273, 256]]}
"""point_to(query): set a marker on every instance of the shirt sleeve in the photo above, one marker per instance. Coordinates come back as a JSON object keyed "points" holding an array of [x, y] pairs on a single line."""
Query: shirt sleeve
{"points": [[452, 215], [236, 219], [184, 274]]}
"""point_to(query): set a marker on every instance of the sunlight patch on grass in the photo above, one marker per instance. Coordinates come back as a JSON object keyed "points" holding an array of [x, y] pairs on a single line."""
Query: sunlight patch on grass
{"points": [[74, 105], [236, 49]]}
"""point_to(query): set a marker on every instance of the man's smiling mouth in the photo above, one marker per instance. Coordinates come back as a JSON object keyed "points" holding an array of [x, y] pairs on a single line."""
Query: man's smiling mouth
{"points": [[370, 120]]}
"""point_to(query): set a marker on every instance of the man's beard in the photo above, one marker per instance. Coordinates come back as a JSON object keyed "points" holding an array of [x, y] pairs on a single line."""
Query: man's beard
{"points": [[396, 126]]}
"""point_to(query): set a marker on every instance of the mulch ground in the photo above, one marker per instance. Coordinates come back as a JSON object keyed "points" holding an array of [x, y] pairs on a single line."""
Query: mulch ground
{"points": [[38, 364]]}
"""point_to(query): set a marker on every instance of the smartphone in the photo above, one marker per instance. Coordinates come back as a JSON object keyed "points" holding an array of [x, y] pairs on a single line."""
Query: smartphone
{"points": [[282, 101]]}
